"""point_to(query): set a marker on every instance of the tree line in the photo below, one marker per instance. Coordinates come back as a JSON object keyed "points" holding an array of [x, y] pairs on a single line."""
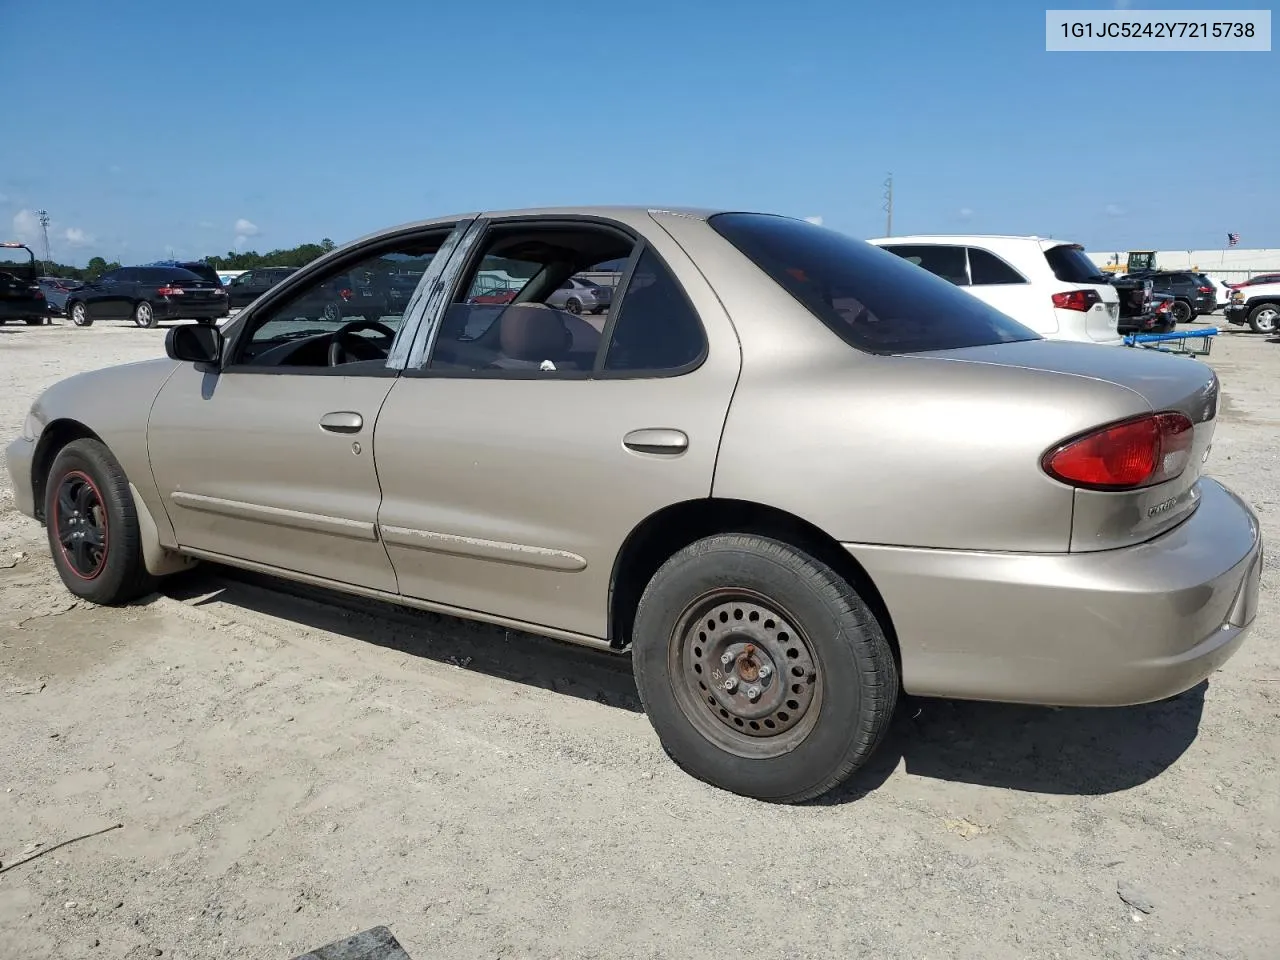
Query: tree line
{"points": [[298, 256]]}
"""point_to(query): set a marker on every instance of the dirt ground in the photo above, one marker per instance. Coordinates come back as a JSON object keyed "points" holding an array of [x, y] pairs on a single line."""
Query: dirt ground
{"points": [[289, 767]]}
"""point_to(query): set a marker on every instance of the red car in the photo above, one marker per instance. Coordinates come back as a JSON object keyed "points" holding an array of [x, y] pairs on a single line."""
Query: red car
{"points": [[503, 296], [1260, 278]]}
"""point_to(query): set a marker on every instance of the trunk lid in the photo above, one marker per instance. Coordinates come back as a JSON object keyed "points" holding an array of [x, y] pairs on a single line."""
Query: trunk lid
{"points": [[1107, 520]]}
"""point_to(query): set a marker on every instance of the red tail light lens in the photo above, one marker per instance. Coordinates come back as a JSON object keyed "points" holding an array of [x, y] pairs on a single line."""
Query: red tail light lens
{"points": [[344, 294], [1076, 300], [1164, 307], [1135, 453], [1205, 289], [171, 292]]}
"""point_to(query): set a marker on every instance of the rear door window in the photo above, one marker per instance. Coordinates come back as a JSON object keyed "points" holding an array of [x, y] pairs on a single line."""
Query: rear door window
{"points": [[1070, 264], [871, 298], [942, 261]]}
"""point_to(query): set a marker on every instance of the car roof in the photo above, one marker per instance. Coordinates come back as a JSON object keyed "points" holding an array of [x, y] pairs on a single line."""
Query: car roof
{"points": [[967, 237]]}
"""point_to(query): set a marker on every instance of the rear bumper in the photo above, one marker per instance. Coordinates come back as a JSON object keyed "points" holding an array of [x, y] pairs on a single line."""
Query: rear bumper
{"points": [[1108, 628], [175, 309], [18, 457], [23, 309]]}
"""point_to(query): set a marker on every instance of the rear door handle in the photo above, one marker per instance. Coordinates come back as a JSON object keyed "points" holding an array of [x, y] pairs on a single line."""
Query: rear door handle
{"points": [[342, 421], [657, 440]]}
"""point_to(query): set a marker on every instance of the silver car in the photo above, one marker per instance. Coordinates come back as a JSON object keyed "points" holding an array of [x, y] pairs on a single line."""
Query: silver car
{"points": [[794, 475], [578, 295]]}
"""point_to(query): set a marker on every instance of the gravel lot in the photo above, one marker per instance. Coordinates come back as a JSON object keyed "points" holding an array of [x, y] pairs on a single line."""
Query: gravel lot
{"points": [[290, 767]]}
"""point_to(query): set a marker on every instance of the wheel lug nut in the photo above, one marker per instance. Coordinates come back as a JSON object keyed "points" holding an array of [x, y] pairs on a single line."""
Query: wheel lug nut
{"points": [[726, 659], [765, 671], [753, 693], [731, 684]]}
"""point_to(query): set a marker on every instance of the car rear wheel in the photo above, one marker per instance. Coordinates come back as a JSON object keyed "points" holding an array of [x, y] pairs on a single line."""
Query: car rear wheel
{"points": [[144, 315], [80, 315], [92, 526], [761, 669], [1264, 318], [573, 305], [1182, 312]]}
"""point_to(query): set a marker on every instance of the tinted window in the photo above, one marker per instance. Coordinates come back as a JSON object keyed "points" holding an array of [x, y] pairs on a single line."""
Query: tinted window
{"points": [[870, 298], [1070, 265], [657, 327], [125, 275], [987, 268], [942, 261]]}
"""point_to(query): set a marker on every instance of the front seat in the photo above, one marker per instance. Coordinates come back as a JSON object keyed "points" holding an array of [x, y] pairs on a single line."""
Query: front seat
{"points": [[531, 335]]}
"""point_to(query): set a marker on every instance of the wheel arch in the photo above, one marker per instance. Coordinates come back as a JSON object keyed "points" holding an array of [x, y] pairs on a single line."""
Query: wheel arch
{"points": [[56, 435], [660, 535]]}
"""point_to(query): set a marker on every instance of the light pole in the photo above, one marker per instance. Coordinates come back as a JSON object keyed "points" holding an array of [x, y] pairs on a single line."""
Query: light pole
{"points": [[888, 206], [44, 232]]}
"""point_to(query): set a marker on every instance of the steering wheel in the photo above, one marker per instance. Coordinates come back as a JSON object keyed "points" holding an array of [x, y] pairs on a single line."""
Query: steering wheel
{"points": [[345, 346]]}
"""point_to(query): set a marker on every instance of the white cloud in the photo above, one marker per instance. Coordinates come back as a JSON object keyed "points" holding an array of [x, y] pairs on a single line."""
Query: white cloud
{"points": [[965, 213], [244, 230], [1115, 210], [75, 237], [816, 221], [26, 227]]}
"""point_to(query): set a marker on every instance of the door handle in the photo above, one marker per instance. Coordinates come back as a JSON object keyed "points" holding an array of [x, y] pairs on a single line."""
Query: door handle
{"points": [[657, 440], [342, 421]]}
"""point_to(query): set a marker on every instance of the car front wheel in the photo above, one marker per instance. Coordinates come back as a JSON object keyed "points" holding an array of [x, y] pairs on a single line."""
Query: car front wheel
{"points": [[92, 525], [1264, 317], [761, 669], [80, 315]]}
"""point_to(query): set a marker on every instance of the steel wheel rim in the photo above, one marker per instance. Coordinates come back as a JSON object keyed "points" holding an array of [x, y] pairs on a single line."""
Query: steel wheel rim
{"points": [[78, 314], [144, 314], [574, 307], [729, 644], [1267, 319], [332, 313], [80, 525]]}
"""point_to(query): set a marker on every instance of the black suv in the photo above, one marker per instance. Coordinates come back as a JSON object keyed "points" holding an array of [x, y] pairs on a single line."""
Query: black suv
{"points": [[20, 295], [148, 295], [252, 284], [1192, 293]]}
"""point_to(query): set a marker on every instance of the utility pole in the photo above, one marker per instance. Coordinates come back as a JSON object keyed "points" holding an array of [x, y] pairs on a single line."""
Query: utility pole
{"points": [[44, 230], [888, 206]]}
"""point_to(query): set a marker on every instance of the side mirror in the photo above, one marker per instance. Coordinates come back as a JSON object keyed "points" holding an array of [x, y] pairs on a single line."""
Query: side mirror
{"points": [[194, 343]]}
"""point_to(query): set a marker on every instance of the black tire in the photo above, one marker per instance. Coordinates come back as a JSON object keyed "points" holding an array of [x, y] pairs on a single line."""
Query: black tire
{"points": [[144, 315], [1263, 318], [1182, 312], [801, 618], [79, 314], [573, 305], [89, 480]]}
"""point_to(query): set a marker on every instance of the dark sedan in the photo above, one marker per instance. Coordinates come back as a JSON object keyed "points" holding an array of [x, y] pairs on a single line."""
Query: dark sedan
{"points": [[147, 295], [20, 295]]}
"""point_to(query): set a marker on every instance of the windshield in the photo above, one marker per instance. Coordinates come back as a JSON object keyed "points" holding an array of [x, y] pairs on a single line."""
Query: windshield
{"points": [[872, 299], [1070, 264]]}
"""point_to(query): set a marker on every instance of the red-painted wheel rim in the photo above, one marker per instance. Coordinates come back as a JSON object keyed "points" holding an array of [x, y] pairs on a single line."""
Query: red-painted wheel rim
{"points": [[80, 525]]}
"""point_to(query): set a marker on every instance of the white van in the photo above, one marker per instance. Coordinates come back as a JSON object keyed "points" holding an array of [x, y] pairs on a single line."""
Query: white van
{"points": [[1047, 285]]}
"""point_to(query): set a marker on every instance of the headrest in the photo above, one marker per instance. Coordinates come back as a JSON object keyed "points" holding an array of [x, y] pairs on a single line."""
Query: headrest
{"points": [[533, 331]]}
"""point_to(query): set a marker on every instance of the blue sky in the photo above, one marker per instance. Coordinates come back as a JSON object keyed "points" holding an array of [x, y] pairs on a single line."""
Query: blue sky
{"points": [[191, 128]]}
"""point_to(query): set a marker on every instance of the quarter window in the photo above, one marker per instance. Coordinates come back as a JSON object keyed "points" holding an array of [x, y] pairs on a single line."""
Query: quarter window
{"points": [[986, 268], [657, 328]]}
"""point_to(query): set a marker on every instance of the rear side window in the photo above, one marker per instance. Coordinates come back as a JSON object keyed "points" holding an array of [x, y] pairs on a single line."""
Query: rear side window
{"points": [[870, 298], [1070, 265], [986, 268], [942, 261]]}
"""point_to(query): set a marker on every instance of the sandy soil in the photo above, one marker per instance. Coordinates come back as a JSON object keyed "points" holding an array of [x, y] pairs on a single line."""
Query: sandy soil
{"points": [[290, 766]]}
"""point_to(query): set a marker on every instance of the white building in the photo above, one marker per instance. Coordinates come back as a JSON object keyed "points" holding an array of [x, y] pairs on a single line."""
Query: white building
{"points": [[1232, 264]]}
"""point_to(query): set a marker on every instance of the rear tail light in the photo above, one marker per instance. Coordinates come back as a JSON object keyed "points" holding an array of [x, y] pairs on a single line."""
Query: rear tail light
{"points": [[1164, 307], [1076, 300], [38, 293], [1205, 289], [171, 292], [1129, 455], [345, 294]]}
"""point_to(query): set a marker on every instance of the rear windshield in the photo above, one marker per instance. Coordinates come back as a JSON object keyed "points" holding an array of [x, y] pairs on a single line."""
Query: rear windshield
{"points": [[202, 270], [870, 298], [167, 274], [1070, 265]]}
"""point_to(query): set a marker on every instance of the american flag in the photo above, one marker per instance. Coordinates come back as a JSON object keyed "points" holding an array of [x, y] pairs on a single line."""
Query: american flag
{"points": [[1233, 239]]}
